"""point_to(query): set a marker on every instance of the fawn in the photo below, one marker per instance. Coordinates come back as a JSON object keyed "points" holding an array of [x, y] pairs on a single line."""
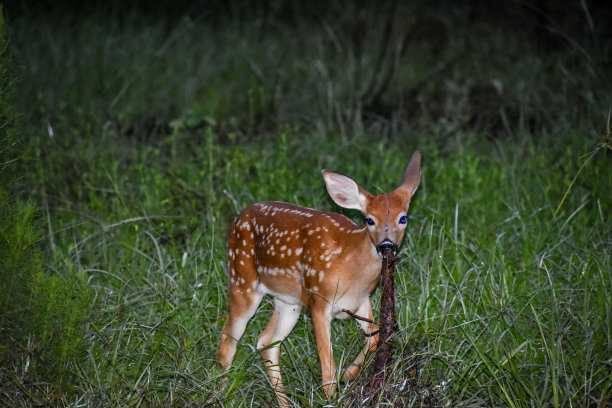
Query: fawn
{"points": [[318, 260]]}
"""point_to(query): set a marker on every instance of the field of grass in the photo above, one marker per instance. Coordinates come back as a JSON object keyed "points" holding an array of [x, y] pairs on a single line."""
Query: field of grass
{"points": [[139, 136]]}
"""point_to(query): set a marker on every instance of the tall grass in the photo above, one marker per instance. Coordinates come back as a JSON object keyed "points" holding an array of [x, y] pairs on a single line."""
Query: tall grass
{"points": [[148, 136]]}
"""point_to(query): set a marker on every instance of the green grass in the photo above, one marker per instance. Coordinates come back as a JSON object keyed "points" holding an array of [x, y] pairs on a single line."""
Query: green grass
{"points": [[147, 137]]}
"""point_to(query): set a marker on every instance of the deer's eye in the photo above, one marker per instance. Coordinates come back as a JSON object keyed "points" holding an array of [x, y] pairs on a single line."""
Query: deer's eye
{"points": [[370, 221], [403, 219]]}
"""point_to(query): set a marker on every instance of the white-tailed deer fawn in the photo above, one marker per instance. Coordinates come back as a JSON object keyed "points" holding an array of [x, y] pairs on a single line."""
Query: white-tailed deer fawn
{"points": [[314, 259]]}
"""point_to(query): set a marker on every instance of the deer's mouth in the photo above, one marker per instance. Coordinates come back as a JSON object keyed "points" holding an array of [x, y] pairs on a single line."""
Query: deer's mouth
{"points": [[387, 244]]}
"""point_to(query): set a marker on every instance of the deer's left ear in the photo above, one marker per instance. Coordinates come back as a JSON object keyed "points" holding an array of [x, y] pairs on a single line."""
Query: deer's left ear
{"points": [[412, 177]]}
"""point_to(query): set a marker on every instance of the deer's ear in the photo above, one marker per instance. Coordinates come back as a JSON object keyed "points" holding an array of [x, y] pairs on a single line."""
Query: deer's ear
{"points": [[412, 176], [345, 192]]}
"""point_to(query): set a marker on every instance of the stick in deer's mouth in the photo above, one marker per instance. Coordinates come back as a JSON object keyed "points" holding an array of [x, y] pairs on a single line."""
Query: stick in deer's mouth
{"points": [[387, 320]]}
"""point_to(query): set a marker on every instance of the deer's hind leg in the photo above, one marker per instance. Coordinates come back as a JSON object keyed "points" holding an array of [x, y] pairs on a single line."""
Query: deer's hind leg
{"points": [[281, 323], [242, 308], [243, 299]]}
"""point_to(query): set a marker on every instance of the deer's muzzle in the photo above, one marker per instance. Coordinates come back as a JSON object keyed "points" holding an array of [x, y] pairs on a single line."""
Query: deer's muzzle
{"points": [[387, 243]]}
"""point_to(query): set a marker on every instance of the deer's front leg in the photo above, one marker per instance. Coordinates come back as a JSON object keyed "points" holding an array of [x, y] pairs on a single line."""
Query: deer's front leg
{"points": [[365, 311], [321, 320]]}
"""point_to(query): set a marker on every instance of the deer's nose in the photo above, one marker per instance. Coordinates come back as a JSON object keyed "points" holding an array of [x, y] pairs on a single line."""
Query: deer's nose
{"points": [[387, 243]]}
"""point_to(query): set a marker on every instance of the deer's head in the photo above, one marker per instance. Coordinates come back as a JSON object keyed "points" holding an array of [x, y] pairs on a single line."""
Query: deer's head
{"points": [[385, 214]]}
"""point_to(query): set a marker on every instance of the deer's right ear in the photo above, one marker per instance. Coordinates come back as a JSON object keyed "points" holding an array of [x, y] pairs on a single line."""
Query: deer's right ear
{"points": [[344, 191]]}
